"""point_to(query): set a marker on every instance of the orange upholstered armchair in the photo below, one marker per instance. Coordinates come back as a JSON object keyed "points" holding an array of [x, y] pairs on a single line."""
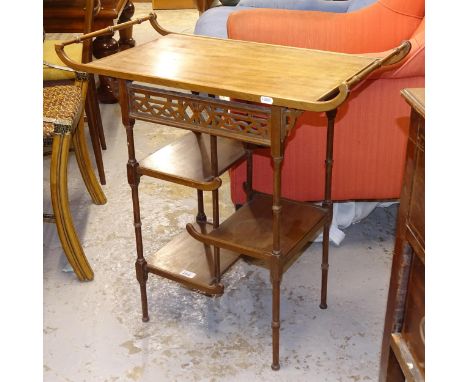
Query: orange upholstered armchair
{"points": [[371, 129]]}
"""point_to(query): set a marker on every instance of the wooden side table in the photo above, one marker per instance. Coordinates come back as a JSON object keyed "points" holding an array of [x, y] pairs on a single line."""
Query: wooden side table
{"points": [[403, 352], [281, 82]]}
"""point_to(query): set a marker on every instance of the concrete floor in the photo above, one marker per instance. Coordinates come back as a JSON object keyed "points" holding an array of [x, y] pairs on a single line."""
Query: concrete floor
{"points": [[93, 331]]}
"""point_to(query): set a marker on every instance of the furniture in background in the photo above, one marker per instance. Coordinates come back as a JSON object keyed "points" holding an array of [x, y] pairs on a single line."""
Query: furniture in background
{"points": [[403, 350], [213, 21], [201, 5], [267, 227], [83, 53], [173, 4], [371, 130], [63, 122], [66, 16]]}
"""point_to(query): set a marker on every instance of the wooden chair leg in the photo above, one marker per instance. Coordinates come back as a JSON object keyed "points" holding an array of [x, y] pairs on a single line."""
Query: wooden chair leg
{"points": [[60, 205], [92, 91], [93, 131], [84, 163]]}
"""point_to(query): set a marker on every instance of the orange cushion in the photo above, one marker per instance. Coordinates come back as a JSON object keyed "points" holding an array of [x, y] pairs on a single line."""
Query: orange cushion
{"points": [[371, 29]]}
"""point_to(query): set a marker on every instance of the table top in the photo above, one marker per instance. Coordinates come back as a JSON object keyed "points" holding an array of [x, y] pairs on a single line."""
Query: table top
{"points": [[287, 76], [416, 98]]}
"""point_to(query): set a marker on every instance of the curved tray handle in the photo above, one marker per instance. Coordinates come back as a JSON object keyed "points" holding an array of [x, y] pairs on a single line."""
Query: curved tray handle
{"points": [[340, 95], [60, 48], [333, 103], [158, 28], [395, 56]]}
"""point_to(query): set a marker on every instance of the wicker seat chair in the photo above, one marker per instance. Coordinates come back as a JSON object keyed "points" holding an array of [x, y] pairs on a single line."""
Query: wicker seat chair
{"points": [[63, 121], [83, 53]]}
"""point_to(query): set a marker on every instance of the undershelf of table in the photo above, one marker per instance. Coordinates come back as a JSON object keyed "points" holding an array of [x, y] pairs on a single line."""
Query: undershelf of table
{"points": [[190, 262], [187, 161], [250, 229]]}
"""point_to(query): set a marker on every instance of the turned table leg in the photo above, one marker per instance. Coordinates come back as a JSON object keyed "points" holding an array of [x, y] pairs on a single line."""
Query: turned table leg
{"points": [[134, 180], [328, 204]]}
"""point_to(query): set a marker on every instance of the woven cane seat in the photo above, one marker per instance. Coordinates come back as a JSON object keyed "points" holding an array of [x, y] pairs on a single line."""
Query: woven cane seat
{"points": [[61, 105]]}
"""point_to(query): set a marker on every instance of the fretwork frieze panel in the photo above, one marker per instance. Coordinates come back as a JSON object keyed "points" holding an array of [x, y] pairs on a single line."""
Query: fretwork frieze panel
{"points": [[250, 123]]}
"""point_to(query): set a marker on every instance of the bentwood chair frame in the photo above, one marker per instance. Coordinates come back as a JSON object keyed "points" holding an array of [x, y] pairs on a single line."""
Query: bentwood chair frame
{"points": [[70, 131], [63, 123], [93, 113]]}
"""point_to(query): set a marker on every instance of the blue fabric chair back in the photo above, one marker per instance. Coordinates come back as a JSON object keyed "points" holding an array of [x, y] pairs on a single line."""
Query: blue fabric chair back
{"points": [[358, 4], [213, 21]]}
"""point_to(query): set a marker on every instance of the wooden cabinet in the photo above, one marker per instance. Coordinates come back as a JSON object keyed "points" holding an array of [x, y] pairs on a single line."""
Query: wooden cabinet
{"points": [[173, 4], [403, 342]]}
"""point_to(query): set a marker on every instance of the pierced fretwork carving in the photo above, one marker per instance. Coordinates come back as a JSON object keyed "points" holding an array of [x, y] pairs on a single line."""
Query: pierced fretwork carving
{"points": [[242, 121]]}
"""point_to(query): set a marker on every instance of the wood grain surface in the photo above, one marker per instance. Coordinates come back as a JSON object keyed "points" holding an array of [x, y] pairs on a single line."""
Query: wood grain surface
{"points": [[291, 77]]}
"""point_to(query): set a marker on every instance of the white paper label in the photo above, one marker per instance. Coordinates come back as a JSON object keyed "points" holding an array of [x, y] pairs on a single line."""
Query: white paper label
{"points": [[188, 274], [267, 100]]}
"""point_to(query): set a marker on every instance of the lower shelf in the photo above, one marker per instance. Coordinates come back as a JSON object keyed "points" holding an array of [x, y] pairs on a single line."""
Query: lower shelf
{"points": [[190, 262], [250, 229]]}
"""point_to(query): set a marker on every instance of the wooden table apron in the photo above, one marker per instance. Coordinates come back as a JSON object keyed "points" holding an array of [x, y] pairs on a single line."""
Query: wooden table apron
{"points": [[289, 80]]}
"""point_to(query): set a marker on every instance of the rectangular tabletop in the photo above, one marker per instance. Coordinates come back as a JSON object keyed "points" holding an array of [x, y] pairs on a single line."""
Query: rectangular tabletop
{"points": [[291, 77]]}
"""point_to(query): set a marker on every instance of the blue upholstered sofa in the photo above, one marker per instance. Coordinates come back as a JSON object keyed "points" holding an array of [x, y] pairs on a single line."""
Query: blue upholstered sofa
{"points": [[213, 21]]}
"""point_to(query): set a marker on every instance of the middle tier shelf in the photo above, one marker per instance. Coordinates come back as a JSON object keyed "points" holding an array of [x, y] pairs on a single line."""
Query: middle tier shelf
{"points": [[187, 161], [250, 229]]}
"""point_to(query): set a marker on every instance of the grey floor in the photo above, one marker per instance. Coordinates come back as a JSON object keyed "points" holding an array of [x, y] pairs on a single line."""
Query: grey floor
{"points": [[93, 330]]}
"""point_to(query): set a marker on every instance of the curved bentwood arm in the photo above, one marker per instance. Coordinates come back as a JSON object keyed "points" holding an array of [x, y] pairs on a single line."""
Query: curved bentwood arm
{"points": [[339, 96]]}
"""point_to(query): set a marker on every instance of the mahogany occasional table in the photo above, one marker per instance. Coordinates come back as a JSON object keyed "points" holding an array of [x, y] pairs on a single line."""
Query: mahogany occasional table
{"points": [[282, 82]]}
